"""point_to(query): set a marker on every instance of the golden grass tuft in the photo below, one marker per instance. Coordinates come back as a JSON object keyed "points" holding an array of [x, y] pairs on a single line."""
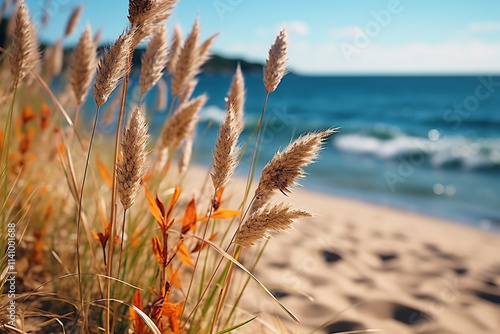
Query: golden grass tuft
{"points": [[276, 63], [154, 60], [149, 12], [53, 59], [132, 167], [269, 218], [73, 21], [83, 66], [236, 96], [186, 65], [25, 55], [181, 124], [113, 66], [285, 167], [226, 150], [174, 49]]}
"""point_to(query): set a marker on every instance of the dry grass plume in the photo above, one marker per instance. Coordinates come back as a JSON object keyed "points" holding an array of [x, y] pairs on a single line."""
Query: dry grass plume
{"points": [[270, 218], [226, 151], [72, 21], [285, 167], [112, 67], [276, 64], [154, 60], [83, 66], [25, 55], [132, 167], [181, 124]]}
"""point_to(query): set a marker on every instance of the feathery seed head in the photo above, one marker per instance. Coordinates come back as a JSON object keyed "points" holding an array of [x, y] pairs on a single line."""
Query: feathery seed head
{"points": [[181, 124], [83, 66], [270, 218], [276, 64], [204, 50], [132, 167], [236, 96], [154, 60], [53, 58], [149, 12], [174, 49], [113, 66], [73, 20], [25, 56], [285, 167], [226, 151], [187, 64]]}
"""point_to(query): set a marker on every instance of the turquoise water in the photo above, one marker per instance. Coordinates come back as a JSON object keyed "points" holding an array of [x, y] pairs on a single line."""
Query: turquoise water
{"points": [[426, 144]]}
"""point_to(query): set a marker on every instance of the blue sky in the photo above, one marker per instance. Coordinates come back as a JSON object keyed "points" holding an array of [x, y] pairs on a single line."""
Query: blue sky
{"points": [[326, 37]]}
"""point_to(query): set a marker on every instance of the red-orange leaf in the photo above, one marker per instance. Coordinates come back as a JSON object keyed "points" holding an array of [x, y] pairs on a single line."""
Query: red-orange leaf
{"points": [[153, 207], [173, 312], [104, 172], [225, 214], [139, 324], [184, 255], [161, 206], [174, 277], [175, 197], [27, 114], [45, 117], [189, 220], [158, 251]]}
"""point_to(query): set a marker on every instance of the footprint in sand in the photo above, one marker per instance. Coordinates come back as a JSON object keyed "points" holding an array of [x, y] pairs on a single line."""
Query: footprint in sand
{"points": [[344, 326], [491, 282], [386, 257], [331, 256], [399, 312], [461, 271], [491, 297]]}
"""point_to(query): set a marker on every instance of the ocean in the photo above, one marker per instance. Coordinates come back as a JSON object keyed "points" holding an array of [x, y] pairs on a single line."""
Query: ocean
{"points": [[428, 144]]}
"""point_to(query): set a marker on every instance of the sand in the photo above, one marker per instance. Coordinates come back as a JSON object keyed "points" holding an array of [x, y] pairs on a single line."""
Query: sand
{"points": [[372, 267]]}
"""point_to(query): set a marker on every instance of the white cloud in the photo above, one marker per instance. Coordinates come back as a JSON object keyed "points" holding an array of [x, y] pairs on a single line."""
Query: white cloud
{"points": [[481, 27], [299, 28], [417, 57], [470, 56], [346, 32]]}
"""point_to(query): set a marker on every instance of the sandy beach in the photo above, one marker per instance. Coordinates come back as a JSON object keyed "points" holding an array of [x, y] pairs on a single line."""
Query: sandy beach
{"points": [[363, 266]]}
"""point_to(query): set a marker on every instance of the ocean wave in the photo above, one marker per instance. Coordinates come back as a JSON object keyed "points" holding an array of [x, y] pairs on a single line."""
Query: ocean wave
{"points": [[212, 113], [441, 153]]}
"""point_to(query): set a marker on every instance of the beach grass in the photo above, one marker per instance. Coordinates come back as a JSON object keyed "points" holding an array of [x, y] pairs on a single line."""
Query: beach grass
{"points": [[106, 239]]}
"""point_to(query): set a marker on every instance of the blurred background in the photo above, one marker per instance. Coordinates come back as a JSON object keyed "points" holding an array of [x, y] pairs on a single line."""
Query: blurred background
{"points": [[413, 86]]}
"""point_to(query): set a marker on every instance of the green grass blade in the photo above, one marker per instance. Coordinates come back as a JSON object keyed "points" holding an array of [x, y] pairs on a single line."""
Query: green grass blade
{"points": [[227, 330]]}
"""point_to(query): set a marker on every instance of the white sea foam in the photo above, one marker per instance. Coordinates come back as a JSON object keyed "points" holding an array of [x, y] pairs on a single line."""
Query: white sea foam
{"points": [[448, 152]]}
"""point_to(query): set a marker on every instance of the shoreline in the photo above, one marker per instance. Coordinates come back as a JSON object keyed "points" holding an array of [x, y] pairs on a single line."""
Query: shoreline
{"points": [[403, 206]]}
